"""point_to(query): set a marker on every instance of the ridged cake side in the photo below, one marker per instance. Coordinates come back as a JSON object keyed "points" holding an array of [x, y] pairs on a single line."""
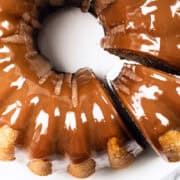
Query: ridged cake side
{"points": [[152, 98], [47, 113]]}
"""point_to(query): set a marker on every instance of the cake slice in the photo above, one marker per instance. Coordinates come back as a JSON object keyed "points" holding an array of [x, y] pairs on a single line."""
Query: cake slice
{"points": [[152, 99], [144, 31]]}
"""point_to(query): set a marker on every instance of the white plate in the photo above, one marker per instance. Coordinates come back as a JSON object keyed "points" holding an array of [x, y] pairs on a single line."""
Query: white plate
{"points": [[147, 167], [72, 41]]}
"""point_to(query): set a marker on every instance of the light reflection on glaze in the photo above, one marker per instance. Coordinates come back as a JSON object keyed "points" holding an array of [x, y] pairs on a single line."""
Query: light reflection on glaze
{"points": [[144, 92], [5, 24], [9, 68], [42, 121], [146, 8], [178, 90], [83, 117], [104, 99], [157, 76], [112, 116], [178, 46], [4, 49], [175, 9], [130, 25], [12, 107], [70, 121], [150, 92], [177, 79], [97, 113], [1, 33], [6, 59], [57, 112], [153, 45], [162, 118], [34, 100], [152, 25], [18, 83], [15, 115]]}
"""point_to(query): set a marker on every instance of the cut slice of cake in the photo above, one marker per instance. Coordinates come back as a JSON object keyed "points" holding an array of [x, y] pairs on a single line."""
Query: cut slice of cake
{"points": [[144, 31], [152, 99]]}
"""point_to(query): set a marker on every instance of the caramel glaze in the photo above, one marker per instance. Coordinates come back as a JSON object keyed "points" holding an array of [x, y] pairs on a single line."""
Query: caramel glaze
{"points": [[55, 113], [144, 27], [152, 98]]}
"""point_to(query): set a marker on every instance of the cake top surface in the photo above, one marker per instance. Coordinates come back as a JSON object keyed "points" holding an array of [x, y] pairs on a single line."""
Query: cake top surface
{"points": [[146, 26]]}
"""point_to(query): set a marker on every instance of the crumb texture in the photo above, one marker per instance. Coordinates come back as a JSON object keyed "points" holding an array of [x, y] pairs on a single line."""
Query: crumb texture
{"points": [[40, 167], [170, 143]]}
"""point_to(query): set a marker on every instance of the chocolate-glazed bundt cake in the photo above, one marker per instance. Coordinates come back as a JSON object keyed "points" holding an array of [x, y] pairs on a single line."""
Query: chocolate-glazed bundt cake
{"points": [[152, 98], [145, 31], [73, 115], [46, 112]]}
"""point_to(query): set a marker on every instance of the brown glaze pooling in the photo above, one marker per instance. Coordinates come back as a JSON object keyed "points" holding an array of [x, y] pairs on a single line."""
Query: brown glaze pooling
{"points": [[54, 113], [144, 27], [152, 98]]}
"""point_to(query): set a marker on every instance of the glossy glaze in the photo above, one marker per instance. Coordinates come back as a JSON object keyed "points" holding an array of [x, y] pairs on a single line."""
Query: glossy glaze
{"points": [[147, 27], [152, 98], [65, 113]]}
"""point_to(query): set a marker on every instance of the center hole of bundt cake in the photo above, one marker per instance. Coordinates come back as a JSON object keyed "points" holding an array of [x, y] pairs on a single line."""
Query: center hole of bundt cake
{"points": [[70, 40]]}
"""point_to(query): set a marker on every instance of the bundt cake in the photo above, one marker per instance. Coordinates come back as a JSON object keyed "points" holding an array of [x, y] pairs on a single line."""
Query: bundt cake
{"points": [[147, 31], [45, 112], [152, 98], [73, 115]]}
